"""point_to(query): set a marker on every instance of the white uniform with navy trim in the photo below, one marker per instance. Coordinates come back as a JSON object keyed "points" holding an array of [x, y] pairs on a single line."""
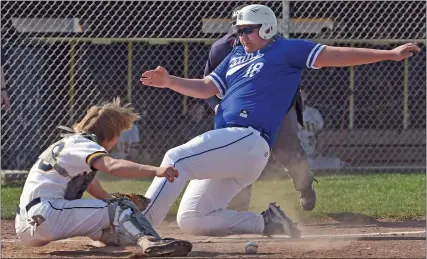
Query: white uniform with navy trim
{"points": [[62, 218], [257, 90]]}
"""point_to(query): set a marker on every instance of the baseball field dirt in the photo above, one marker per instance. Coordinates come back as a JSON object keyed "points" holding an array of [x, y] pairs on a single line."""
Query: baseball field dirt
{"points": [[326, 238]]}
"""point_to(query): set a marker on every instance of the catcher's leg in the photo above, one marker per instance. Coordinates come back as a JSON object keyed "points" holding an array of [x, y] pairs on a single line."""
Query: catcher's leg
{"points": [[129, 227], [56, 219]]}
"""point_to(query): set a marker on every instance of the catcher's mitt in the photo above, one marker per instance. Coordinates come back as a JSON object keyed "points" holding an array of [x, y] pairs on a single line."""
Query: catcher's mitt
{"points": [[140, 201]]}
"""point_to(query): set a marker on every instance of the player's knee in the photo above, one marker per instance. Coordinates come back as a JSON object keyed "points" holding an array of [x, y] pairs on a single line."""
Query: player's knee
{"points": [[189, 222], [195, 224], [171, 156], [184, 221], [40, 238]]}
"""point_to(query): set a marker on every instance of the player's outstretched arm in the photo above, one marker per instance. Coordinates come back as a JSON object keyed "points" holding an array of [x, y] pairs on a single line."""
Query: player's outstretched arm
{"points": [[95, 189], [128, 169], [198, 88], [344, 56]]}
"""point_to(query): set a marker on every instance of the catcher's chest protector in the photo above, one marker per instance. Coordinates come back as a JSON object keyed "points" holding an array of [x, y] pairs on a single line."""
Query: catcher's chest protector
{"points": [[77, 185]]}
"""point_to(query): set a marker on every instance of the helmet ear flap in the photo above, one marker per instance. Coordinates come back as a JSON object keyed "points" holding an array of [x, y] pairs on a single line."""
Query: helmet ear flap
{"points": [[266, 32]]}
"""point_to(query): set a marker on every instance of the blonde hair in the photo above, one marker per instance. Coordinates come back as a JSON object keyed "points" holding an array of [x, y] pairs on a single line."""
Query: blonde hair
{"points": [[108, 120]]}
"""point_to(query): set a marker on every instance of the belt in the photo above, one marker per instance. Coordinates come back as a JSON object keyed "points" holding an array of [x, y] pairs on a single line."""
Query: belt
{"points": [[263, 135], [29, 205]]}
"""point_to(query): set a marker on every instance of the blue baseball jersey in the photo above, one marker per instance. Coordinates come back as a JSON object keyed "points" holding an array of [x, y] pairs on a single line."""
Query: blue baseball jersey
{"points": [[257, 89]]}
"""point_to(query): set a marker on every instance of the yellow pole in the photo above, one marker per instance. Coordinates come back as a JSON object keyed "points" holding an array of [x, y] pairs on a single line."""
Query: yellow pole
{"points": [[405, 95], [185, 104], [71, 93], [351, 98], [130, 58]]}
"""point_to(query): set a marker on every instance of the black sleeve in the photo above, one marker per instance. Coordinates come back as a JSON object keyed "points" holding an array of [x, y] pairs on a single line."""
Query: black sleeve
{"points": [[299, 109], [3, 61], [3, 58], [214, 100], [216, 55], [208, 66]]}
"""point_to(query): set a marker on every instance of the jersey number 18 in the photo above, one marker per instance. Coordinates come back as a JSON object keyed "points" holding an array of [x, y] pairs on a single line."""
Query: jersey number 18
{"points": [[254, 69]]}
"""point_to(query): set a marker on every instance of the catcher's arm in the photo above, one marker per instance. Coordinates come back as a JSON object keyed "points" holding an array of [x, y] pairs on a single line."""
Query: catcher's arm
{"points": [[128, 169], [95, 189]]}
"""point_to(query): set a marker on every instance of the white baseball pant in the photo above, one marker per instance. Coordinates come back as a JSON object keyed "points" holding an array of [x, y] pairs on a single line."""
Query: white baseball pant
{"points": [[218, 164], [286, 151], [62, 219]]}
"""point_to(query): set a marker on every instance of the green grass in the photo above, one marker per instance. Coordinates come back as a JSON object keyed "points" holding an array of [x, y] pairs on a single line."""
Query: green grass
{"points": [[375, 195], [9, 201], [387, 195]]}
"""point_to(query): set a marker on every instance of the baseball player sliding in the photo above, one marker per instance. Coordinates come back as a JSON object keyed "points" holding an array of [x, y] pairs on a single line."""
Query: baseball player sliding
{"points": [[50, 206], [257, 82], [287, 147]]}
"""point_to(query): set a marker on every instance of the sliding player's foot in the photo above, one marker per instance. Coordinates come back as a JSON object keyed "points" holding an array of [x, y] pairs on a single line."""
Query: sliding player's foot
{"points": [[277, 223]]}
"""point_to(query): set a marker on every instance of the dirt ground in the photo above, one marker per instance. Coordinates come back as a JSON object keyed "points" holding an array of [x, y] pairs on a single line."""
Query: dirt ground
{"points": [[329, 238]]}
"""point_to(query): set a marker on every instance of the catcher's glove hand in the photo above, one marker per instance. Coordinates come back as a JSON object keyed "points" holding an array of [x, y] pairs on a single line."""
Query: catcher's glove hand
{"points": [[140, 201]]}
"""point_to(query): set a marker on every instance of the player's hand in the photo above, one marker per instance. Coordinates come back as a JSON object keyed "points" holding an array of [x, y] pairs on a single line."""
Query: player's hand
{"points": [[169, 172], [404, 51], [158, 77]]}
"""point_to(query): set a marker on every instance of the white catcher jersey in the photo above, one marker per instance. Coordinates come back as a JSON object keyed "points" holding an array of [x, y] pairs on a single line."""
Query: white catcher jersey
{"points": [[75, 154], [313, 122]]}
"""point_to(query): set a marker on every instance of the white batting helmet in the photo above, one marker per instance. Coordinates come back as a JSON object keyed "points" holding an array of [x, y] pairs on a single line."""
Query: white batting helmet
{"points": [[236, 12], [259, 14]]}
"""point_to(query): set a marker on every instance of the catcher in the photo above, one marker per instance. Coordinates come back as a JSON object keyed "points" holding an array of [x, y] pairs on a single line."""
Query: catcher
{"points": [[51, 207]]}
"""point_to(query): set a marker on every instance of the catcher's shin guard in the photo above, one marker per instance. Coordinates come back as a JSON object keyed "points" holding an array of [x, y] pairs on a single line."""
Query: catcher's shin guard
{"points": [[128, 224]]}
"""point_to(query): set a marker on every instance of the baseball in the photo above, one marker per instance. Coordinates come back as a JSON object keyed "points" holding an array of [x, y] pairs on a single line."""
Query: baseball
{"points": [[251, 247]]}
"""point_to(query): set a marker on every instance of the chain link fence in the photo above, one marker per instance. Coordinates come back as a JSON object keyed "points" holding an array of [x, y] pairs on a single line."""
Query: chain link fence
{"points": [[63, 56]]}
